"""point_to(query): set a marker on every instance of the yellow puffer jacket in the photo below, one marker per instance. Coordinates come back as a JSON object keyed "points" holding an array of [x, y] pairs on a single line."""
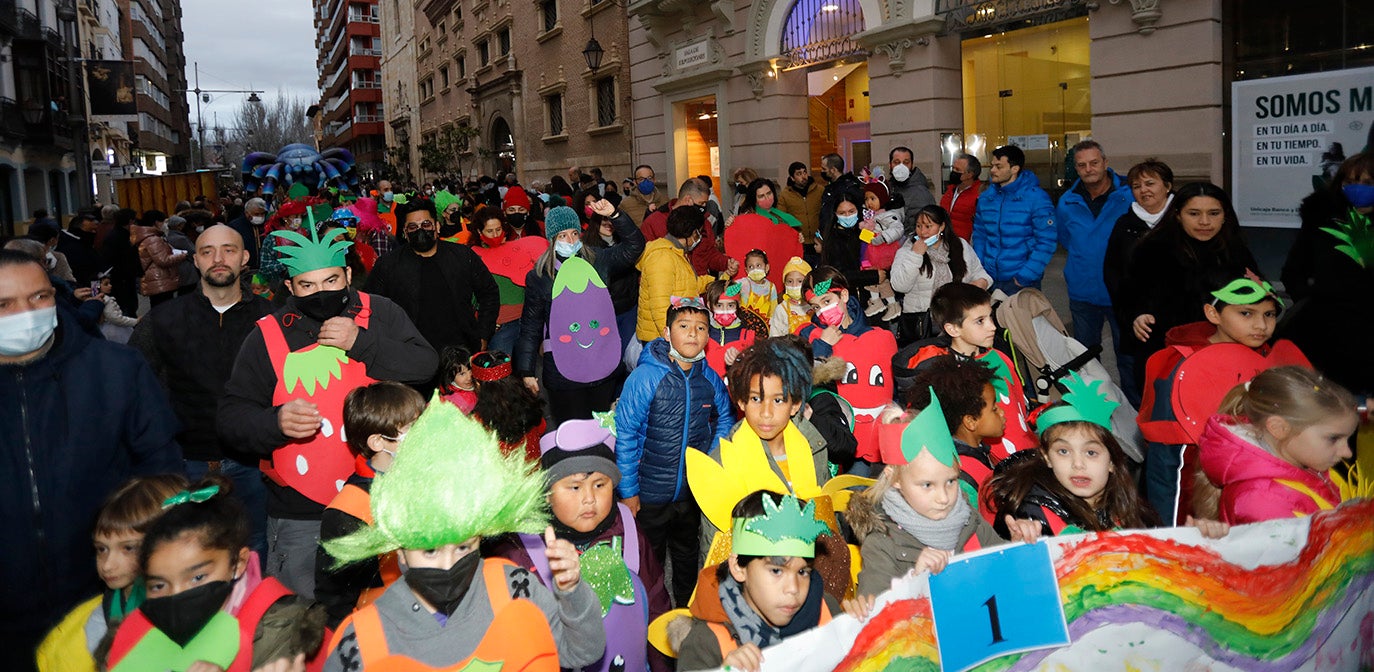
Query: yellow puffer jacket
{"points": [[65, 649], [664, 272]]}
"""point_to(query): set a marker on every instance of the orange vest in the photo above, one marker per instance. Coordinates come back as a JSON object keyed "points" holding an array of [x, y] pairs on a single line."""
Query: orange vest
{"points": [[728, 643], [356, 502], [518, 639]]}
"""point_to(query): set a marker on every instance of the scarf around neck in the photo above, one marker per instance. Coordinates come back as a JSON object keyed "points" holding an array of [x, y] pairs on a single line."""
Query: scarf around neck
{"points": [[940, 274], [1149, 219], [750, 626], [941, 534]]}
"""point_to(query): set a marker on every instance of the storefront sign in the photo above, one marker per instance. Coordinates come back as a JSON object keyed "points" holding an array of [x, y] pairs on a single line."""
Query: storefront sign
{"points": [[690, 55], [1290, 134], [1029, 142]]}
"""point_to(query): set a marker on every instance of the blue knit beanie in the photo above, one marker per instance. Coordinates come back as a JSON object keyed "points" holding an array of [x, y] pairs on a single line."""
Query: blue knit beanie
{"points": [[560, 219]]}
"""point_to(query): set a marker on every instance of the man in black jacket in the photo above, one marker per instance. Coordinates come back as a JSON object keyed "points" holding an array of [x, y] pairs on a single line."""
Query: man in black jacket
{"points": [[437, 282], [78, 243], [284, 399], [191, 342], [78, 417]]}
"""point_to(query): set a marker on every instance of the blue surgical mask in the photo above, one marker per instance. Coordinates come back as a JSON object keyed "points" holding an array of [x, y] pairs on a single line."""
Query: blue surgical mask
{"points": [[847, 221], [26, 332], [388, 196], [1359, 195], [646, 187], [566, 250], [932, 240]]}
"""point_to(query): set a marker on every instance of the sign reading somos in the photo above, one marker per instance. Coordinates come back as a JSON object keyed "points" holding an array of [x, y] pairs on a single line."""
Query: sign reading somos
{"points": [[1289, 134]]}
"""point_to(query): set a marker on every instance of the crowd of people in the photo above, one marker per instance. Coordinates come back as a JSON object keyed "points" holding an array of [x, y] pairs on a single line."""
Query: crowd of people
{"points": [[557, 425]]}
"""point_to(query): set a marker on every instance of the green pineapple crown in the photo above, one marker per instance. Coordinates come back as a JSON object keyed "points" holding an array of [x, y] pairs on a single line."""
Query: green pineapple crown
{"points": [[1356, 236], [318, 251], [785, 529], [1084, 402]]}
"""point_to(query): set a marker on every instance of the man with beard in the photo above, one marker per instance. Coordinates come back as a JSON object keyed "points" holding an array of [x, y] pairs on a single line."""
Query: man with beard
{"points": [[437, 283], [191, 342], [285, 395]]}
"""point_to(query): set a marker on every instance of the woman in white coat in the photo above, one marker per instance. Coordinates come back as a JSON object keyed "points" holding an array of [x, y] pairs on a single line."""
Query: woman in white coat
{"points": [[934, 258]]}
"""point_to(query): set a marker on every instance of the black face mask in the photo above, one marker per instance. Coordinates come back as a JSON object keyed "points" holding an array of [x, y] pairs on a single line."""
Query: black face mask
{"points": [[323, 304], [421, 240], [741, 188], [443, 589], [182, 616], [517, 220], [955, 176], [450, 230], [826, 177]]}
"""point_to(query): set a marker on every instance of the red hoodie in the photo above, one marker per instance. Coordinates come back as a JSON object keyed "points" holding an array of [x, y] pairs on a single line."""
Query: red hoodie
{"points": [[1257, 485]]}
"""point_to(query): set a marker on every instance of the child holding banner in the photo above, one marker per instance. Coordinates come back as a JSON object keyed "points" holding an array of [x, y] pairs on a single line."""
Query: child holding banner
{"points": [[917, 516]]}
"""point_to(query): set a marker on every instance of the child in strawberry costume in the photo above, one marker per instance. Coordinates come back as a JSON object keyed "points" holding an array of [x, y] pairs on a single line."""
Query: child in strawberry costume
{"points": [[284, 401]]}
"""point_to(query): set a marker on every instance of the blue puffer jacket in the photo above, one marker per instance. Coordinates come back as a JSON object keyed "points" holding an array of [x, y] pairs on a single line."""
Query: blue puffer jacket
{"points": [[1085, 237], [663, 412], [74, 425], [1013, 230]]}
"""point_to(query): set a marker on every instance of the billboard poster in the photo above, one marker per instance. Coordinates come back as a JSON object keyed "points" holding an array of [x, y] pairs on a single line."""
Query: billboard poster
{"points": [[110, 85], [1290, 134]]}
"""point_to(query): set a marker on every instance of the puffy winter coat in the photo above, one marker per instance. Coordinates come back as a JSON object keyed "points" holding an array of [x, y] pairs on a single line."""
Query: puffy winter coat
{"points": [[805, 205], [1255, 484], [907, 276], [1013, 230], [664, 272], [662, 413], [1085, 237], [76, 423], [961, 209], [159, 266]]}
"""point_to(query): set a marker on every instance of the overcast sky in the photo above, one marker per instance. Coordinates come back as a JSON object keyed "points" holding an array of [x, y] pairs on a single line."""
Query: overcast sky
{"points": [[249, 44]]}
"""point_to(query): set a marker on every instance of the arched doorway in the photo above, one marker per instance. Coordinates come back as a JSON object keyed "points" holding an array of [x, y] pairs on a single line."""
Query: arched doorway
{"points": [[817, 37], [502, 146]]}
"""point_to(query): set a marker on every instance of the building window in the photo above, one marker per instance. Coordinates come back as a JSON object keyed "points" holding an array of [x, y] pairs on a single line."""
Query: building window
{"points": [[503, 39], [549, 9], [553, 109], [426, 88], [462, 67], [443, 78], [442, 29], [457, 16], [605, 101], [483, 53]]}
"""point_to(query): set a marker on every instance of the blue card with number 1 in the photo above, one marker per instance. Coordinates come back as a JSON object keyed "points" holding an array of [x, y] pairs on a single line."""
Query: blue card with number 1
{"points": [[997, 603]]}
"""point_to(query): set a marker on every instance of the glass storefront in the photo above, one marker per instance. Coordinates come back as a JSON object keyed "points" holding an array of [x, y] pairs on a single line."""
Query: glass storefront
{"points": [[1028, 87]]}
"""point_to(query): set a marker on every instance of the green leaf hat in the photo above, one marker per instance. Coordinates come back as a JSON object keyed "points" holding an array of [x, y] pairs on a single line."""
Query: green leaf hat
{"points": [[450, 482], [787, 530], [318, 251], [1084, 402]]}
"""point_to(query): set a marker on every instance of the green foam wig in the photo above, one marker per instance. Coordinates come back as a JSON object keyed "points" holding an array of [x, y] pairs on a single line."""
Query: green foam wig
{"points": [[318, 251], [450, 482]]}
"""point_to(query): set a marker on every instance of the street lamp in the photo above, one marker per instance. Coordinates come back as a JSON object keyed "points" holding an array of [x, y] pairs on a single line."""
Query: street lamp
{"points": [[593, 54], [204, 94]]}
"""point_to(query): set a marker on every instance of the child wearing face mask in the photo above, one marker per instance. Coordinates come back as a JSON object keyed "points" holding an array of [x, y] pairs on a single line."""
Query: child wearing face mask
{"points": [[760, 297], [732, 330], [376, 418], [836, 311], [74, 644], [453, 608], [578, 460], [792, 311], [206, 601]]}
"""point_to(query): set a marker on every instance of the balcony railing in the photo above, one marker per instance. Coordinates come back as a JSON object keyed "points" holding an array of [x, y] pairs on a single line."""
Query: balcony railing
{"points": [[365, 84], [364, 51], [28, 25], [367, 118], [9, 17], [335, 103], [52, 36]]}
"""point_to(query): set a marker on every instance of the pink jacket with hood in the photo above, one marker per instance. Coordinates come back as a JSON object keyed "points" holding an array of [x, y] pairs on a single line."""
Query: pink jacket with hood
{"points": [[1255, 484]]}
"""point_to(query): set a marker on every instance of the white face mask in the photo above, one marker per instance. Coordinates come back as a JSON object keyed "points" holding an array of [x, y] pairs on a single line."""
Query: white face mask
{"points": [[23, 333], [51, 261], [257, 220], [900, 172]]}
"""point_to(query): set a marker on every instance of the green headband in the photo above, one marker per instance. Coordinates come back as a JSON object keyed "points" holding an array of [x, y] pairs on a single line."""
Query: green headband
{"points": [[902, 443], [1084, 402], [450, 482], [318, 251], [1245, 292], [787, 530]]}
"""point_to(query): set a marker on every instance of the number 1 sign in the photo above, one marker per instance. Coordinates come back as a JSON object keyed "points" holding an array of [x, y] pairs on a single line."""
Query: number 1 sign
{"points": [[996, 603]]}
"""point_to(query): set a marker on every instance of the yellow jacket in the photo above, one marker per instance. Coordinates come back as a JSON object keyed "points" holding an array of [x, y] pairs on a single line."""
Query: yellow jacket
{"points": [[66, 648], [664, 272]]}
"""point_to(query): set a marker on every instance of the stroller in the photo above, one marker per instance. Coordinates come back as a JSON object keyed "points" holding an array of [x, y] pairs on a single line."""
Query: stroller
{"points": [[1031, 334]]}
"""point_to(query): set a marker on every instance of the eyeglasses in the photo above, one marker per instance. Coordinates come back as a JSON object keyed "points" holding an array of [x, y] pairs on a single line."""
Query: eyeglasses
{"points": [[413, 226]]}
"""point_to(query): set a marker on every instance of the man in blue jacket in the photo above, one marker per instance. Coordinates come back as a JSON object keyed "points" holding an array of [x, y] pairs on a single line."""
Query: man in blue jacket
{"points": [[78, 417], [673, 402], [1087, 214], [1013, 227]]}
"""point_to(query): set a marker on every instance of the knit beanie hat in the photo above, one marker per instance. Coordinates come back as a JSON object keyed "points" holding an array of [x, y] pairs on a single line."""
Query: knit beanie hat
{"points": [[560, 219], [516, 196], [880, 190], [578, 447]]}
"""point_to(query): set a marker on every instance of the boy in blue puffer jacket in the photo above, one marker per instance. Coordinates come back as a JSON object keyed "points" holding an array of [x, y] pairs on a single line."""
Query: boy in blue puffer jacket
{"points": [[1014, 224], [672, 402]]}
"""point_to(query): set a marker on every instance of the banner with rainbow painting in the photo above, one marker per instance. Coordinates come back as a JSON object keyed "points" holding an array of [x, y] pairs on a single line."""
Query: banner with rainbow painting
{"points": [[1295, 594]]}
